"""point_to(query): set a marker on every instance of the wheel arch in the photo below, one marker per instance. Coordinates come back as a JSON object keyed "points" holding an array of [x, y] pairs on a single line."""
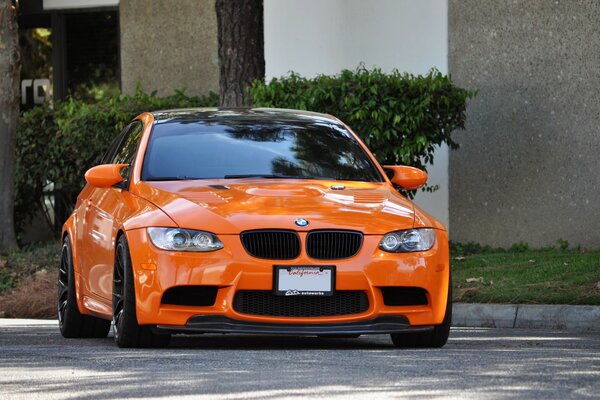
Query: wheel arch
{"points": [[68, 232]]}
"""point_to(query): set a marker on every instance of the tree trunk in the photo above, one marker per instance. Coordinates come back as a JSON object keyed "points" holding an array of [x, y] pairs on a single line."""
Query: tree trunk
{"points": [[241, 49], [10, 68]]}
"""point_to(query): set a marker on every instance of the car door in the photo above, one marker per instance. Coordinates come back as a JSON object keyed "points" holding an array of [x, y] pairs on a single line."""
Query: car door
{"points": [[101, 221], [81, 210]]}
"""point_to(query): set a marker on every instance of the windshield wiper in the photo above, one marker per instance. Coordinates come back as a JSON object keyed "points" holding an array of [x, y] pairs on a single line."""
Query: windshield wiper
{"points": [[267, 176], [172, 178]]}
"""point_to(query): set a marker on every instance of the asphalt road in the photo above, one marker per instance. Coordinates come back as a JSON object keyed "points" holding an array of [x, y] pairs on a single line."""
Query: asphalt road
{"points": [[36, 362]]}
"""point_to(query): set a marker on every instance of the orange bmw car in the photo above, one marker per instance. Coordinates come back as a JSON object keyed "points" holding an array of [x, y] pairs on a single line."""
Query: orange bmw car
{"points": [[254, 221]]}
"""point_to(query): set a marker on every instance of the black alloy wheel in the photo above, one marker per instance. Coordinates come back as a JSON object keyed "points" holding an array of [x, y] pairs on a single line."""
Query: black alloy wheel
{"points": [[127, 331], [71, 322]]}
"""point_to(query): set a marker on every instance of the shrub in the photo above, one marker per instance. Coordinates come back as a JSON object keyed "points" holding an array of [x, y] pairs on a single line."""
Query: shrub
{"points": [[58, 144], [400, 117]]}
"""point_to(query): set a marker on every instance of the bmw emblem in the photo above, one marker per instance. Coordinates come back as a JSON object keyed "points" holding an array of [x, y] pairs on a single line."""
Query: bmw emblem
{"points": [[301, 222]]}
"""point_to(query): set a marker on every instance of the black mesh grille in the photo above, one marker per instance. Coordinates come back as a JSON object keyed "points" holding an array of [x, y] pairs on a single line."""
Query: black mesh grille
{"points": [[272, 244], [404, 296], [265, 302], [333, 245]]}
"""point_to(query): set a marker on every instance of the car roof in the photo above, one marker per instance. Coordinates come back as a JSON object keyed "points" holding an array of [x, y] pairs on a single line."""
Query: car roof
{"points": [[257, 115]]}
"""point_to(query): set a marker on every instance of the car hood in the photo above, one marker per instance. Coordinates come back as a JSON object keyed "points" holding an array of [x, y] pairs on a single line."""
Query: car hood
{"points": [[232, 206]]}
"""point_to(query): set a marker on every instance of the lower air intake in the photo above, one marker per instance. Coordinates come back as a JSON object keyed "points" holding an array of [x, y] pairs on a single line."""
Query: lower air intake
{"points": [[200, 296], [265, 302]]}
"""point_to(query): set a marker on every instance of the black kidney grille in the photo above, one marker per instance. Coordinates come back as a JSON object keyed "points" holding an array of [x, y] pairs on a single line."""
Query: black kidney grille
{"points": [[333, 245], [272, 244], [265, 302]]}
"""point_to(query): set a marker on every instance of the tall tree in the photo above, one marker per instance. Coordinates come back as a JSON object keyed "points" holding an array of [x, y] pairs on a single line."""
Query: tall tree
{"points": [[241, 48], [10, 68]]}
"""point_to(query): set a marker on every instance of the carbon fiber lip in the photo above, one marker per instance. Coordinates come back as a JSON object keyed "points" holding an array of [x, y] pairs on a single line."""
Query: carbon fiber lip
{"points": [[222, 324]]}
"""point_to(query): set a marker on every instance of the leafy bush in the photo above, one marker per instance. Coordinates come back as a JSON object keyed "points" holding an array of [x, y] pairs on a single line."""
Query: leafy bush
{"points": [[58, 144], [400, 117]]}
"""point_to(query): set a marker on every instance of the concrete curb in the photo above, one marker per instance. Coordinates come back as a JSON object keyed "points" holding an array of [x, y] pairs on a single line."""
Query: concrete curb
{"points": [[563, 317], [578, 318]]}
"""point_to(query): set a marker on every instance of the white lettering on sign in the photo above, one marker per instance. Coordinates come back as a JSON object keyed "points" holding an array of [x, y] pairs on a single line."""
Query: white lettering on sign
{"points": [[41, 90]]}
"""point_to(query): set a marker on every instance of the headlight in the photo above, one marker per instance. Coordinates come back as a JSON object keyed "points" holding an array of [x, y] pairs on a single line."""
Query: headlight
{"points": [[409, 240], [178, 239]]}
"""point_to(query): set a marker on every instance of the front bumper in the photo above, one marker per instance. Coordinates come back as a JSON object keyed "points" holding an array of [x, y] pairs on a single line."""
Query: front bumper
{"points": [[231, 269], [221, 324]]}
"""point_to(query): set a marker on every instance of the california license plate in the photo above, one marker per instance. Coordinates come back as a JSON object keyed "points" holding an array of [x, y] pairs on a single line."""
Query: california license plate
{"points": [[304, 280]]}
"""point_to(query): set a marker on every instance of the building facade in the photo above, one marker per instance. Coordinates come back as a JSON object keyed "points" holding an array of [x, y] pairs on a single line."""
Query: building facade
{"points": [[527, 169]]}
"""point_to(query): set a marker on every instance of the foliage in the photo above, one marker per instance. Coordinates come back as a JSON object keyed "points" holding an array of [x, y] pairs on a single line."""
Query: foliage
{"points": [[36, 52], [470, 248], [59, 143], [400, 117]]}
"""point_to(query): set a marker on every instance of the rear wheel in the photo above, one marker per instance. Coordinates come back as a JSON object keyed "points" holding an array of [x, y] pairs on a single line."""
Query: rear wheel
{"points": [[128, 333], [71, 322], [434, 338]]}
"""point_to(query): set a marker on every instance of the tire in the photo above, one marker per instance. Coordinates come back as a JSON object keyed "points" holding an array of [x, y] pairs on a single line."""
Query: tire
{"points": [[71, 322], [128, 333], [432, 339]]}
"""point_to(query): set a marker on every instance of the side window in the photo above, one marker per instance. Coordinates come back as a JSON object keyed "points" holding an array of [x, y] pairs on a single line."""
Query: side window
{"points": [[110, 153], [128, 148]]}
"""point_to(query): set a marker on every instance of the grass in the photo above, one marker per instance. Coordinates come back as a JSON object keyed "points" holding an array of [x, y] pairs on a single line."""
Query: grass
{"points": [[547, 276], [480, 275]]}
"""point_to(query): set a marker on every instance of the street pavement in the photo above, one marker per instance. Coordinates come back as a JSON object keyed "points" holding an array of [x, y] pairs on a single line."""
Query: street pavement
{"points": [[36, 362]]}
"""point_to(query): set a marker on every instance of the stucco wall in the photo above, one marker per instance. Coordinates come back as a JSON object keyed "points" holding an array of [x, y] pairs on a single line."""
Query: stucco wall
{"points": [[529, 166], [323, 37], [168, 45]]}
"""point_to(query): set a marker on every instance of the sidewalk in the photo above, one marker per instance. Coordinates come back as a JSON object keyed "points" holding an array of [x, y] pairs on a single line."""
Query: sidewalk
{"points": [[579, 318]]}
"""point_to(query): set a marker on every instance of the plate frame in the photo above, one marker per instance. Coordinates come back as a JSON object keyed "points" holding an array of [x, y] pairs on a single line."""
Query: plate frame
{"points": [[276, 269]]}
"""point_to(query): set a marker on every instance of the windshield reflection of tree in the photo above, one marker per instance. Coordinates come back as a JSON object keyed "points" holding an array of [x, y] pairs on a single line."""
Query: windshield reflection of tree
{"points": [[319, 151]]}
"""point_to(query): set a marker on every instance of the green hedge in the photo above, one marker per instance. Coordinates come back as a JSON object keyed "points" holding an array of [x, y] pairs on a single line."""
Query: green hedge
{"points": [[59, 143], [400, 117]]}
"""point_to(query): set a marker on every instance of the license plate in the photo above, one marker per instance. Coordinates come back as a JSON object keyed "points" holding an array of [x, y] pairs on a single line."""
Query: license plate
{"points": [[304, 280]]}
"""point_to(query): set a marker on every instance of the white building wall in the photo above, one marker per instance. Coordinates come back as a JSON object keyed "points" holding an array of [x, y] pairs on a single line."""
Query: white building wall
{"points": [[314, 37]]}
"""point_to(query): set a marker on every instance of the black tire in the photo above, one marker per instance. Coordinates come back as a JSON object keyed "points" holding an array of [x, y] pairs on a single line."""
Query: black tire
{"points": [[128, 333], [431, 339], [71, 322]]}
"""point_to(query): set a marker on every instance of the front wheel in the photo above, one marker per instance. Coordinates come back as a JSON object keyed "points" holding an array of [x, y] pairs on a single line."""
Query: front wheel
{"points": [[128, 333], [434, 338]]}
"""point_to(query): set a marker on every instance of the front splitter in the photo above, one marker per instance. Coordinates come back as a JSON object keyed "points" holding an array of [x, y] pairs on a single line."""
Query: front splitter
{"points": [[222, 324]]}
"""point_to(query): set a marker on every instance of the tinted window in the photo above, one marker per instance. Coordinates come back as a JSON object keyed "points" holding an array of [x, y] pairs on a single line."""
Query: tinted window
{"points": [[128, 147], [199, 150], [110, 153]]}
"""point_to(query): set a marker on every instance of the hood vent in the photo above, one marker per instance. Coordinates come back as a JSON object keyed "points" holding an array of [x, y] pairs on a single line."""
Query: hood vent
{"points": [[369, 196], [204, 197]]}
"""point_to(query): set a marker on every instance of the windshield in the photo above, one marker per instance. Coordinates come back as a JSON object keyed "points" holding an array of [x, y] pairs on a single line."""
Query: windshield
{"points": [[245, 149]]}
